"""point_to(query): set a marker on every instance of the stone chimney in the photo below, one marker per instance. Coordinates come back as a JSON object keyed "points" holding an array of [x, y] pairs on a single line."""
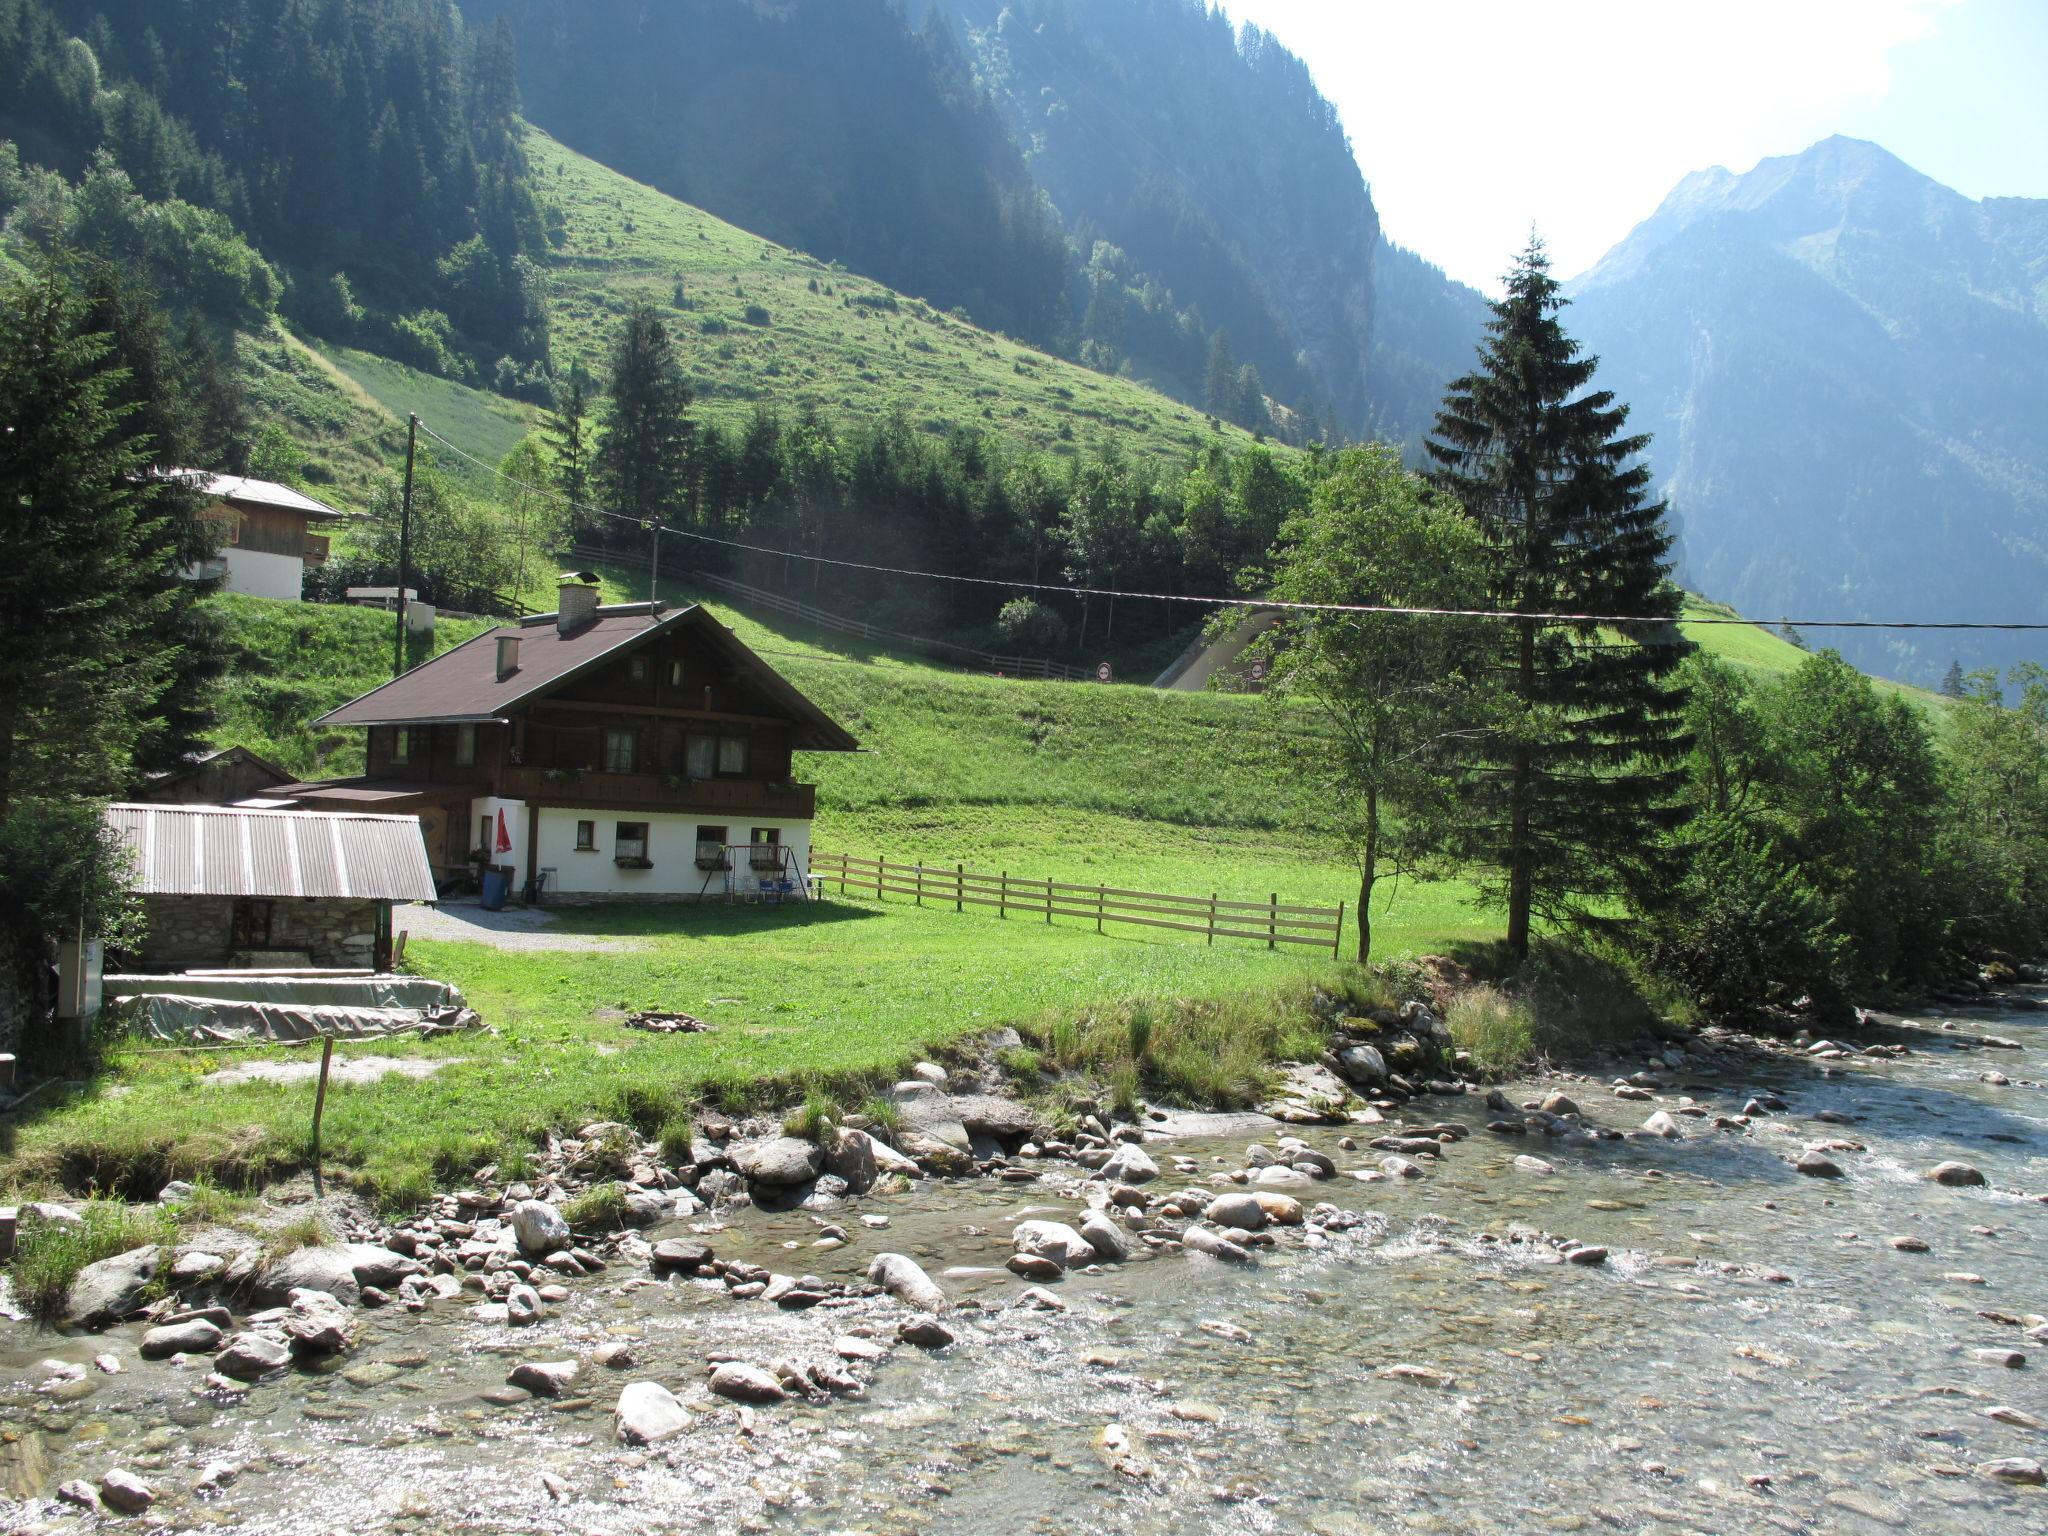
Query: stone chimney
{"points": [[578, 601]]}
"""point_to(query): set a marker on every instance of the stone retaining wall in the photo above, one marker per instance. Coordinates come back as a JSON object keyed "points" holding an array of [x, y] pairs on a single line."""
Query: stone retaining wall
{"points": [[195, 930]]}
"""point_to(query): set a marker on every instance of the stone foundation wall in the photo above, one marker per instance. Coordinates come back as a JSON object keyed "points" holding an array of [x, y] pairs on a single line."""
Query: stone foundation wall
{"points": [[195, 930]]}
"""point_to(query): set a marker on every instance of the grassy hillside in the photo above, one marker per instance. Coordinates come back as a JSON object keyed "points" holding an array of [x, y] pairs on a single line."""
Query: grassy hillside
{"points": [[1768, 655]]}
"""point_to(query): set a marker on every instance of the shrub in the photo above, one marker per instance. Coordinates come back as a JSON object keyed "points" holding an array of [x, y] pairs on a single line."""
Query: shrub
{"points": [[48, 1256], [1030, 628], [754, 314]]}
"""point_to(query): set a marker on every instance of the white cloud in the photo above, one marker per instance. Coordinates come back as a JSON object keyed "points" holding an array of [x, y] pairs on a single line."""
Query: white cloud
{"points": [[1474, 119]]}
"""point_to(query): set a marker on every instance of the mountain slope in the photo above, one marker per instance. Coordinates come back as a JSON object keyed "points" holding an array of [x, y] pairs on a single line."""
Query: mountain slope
{"points": [[1845, 366], [1208, 157]]}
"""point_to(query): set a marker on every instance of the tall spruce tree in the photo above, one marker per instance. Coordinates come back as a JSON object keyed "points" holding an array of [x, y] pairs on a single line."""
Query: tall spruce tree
{"points": [[1570, 795], [567, 431], [642, 467]]}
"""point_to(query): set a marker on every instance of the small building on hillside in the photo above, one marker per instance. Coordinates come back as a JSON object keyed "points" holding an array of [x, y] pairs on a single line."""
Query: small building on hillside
{"points": [[266, 534], [226, 777], [224, 886], [616, 752]]}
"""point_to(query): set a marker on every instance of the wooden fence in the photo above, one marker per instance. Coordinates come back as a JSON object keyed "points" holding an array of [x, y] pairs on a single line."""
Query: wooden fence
{"points": [[1272, 922]]}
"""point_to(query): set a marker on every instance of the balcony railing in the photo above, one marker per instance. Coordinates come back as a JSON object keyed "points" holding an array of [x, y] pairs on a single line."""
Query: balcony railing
{"points": [[659, 792]]}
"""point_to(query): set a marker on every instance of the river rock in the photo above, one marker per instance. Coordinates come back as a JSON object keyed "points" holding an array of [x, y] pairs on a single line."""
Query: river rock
{"points": [[318, 1324], [1281, 1210], [1052, 1240], [1955, 1174], [1128, 1164], [247, 1356], [1401, 1167], [340, 1269], [195, 1337], [926, 1333], [929, 1072], [2010, 1359], [648, 1413], [1818, 1165], [1238, 1209], [1362, 1065], [1199, 1239], [1528, 1164], [1661, 1124], [681, 1253], [538, 1228], [113, 1288], [1589, 1254], [124, 1492], [889, 1160], [522, 1306], [1559, 1104], [1034, 1266], [1282, 1176], [903, 1278], [850, 1155], [2016, 1469], [992, 1115], [780, 1161], [1105, 1237], [746, 1383], [545, 1378]]}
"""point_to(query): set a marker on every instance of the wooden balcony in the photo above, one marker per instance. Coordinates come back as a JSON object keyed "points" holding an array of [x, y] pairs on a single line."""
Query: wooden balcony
{"points": [[654, 792], [316, 549]]}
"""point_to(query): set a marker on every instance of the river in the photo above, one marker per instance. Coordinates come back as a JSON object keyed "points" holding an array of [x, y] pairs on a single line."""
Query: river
{"points": [[1755, 1355]]}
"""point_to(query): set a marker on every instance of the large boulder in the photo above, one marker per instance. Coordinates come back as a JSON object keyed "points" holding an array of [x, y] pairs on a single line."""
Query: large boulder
{"points": [[340, 1269], [991, 1115], [780, 1161], [1128, 1164], [538, 1228], [1362, 1065], [850, 1155], [318, 1325], [247, 1356], [194, 1336], [545, 1378], [1106, 1238], [649, 1413], [1053, 1240], [889, 1160], [1239, 1209], [746, 1383], [903, 1278], [113, 1289]]}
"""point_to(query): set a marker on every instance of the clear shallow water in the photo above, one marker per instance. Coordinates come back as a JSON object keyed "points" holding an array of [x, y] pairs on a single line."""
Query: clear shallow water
{"points": [[1636, 1397]]}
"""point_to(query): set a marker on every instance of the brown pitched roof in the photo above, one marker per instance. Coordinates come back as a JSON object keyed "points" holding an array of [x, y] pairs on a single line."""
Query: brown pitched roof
{"points": [[462, 686]]}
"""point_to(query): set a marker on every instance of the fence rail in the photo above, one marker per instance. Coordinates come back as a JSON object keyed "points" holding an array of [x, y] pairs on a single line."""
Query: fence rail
{"points": [[1272, 922], [789, 607]]}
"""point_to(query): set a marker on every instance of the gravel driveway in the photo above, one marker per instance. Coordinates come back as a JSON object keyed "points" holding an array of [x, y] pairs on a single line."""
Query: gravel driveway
{"points": [[513, 928]]}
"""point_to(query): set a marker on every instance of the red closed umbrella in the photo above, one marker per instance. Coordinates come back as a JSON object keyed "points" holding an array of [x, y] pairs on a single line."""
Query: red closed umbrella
{"points": [[504, 836]]}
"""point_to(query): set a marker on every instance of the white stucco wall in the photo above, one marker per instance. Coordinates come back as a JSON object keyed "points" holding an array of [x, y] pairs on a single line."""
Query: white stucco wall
{"points": [[262, 575], [672, 846], [515, 824]]}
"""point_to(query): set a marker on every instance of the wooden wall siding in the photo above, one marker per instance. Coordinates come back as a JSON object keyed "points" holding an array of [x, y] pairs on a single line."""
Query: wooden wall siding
{"points": [[702, 669], [566, 739], [433, 759], [263, 530]]}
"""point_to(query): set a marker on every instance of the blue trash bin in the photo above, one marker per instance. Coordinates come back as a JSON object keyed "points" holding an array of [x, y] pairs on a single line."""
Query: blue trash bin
{"points": [[497, 886]]}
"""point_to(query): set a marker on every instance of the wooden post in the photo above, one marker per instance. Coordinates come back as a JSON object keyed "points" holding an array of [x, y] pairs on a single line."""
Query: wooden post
{"points": [[1337, 939], [918, 882], [959, 887], [1272, 919], [1048, 901], [1100, 893], [319, 1109], [881, 869], [1212, 917], [843, 864], [1003, 895]]}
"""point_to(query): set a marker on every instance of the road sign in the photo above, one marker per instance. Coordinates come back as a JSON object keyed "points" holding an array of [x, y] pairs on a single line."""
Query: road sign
{"points": [[1102, 672], [1258, 671]]}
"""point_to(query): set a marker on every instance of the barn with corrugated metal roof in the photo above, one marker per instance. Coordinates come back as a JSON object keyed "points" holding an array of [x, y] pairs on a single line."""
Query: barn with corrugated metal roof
{"points": [[232, 886]]}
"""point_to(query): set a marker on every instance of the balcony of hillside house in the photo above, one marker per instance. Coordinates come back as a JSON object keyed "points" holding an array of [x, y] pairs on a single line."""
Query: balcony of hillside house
{"points": [[659, 792], [316, 549]]}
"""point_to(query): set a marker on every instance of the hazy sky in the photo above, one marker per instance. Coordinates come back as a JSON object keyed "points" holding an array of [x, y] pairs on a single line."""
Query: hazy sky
{"points": [[1473, 119]]}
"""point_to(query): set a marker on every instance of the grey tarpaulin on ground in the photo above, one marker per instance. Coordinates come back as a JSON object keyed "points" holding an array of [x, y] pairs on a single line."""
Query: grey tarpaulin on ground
{"points": [[287, 1007]]}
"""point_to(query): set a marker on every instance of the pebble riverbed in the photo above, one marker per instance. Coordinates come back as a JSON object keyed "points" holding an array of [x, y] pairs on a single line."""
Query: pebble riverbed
{"points": [[1760, 1351]]}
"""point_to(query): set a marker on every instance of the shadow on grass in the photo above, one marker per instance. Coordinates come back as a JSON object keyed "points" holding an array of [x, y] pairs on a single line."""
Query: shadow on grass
{"points": [[702, 919]]}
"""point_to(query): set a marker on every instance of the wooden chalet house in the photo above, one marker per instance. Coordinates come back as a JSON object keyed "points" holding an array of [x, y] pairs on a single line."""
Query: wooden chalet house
{"points": [[597, 752], [265, 532]]}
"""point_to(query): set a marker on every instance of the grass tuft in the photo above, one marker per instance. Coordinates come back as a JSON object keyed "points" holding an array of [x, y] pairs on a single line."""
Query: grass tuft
{"points": [[818, 1114], [883, 1113], [1498, 1031], [600, 1206], [675, 1135], [48, 1255], [309, 1229]]}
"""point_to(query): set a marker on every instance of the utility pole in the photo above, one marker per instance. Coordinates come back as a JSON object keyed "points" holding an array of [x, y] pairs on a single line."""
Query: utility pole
{"points": [[654, 562], [412, 438]]}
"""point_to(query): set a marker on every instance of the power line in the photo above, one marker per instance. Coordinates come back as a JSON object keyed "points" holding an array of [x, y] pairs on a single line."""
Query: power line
{"points": [[1250, 604]]}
